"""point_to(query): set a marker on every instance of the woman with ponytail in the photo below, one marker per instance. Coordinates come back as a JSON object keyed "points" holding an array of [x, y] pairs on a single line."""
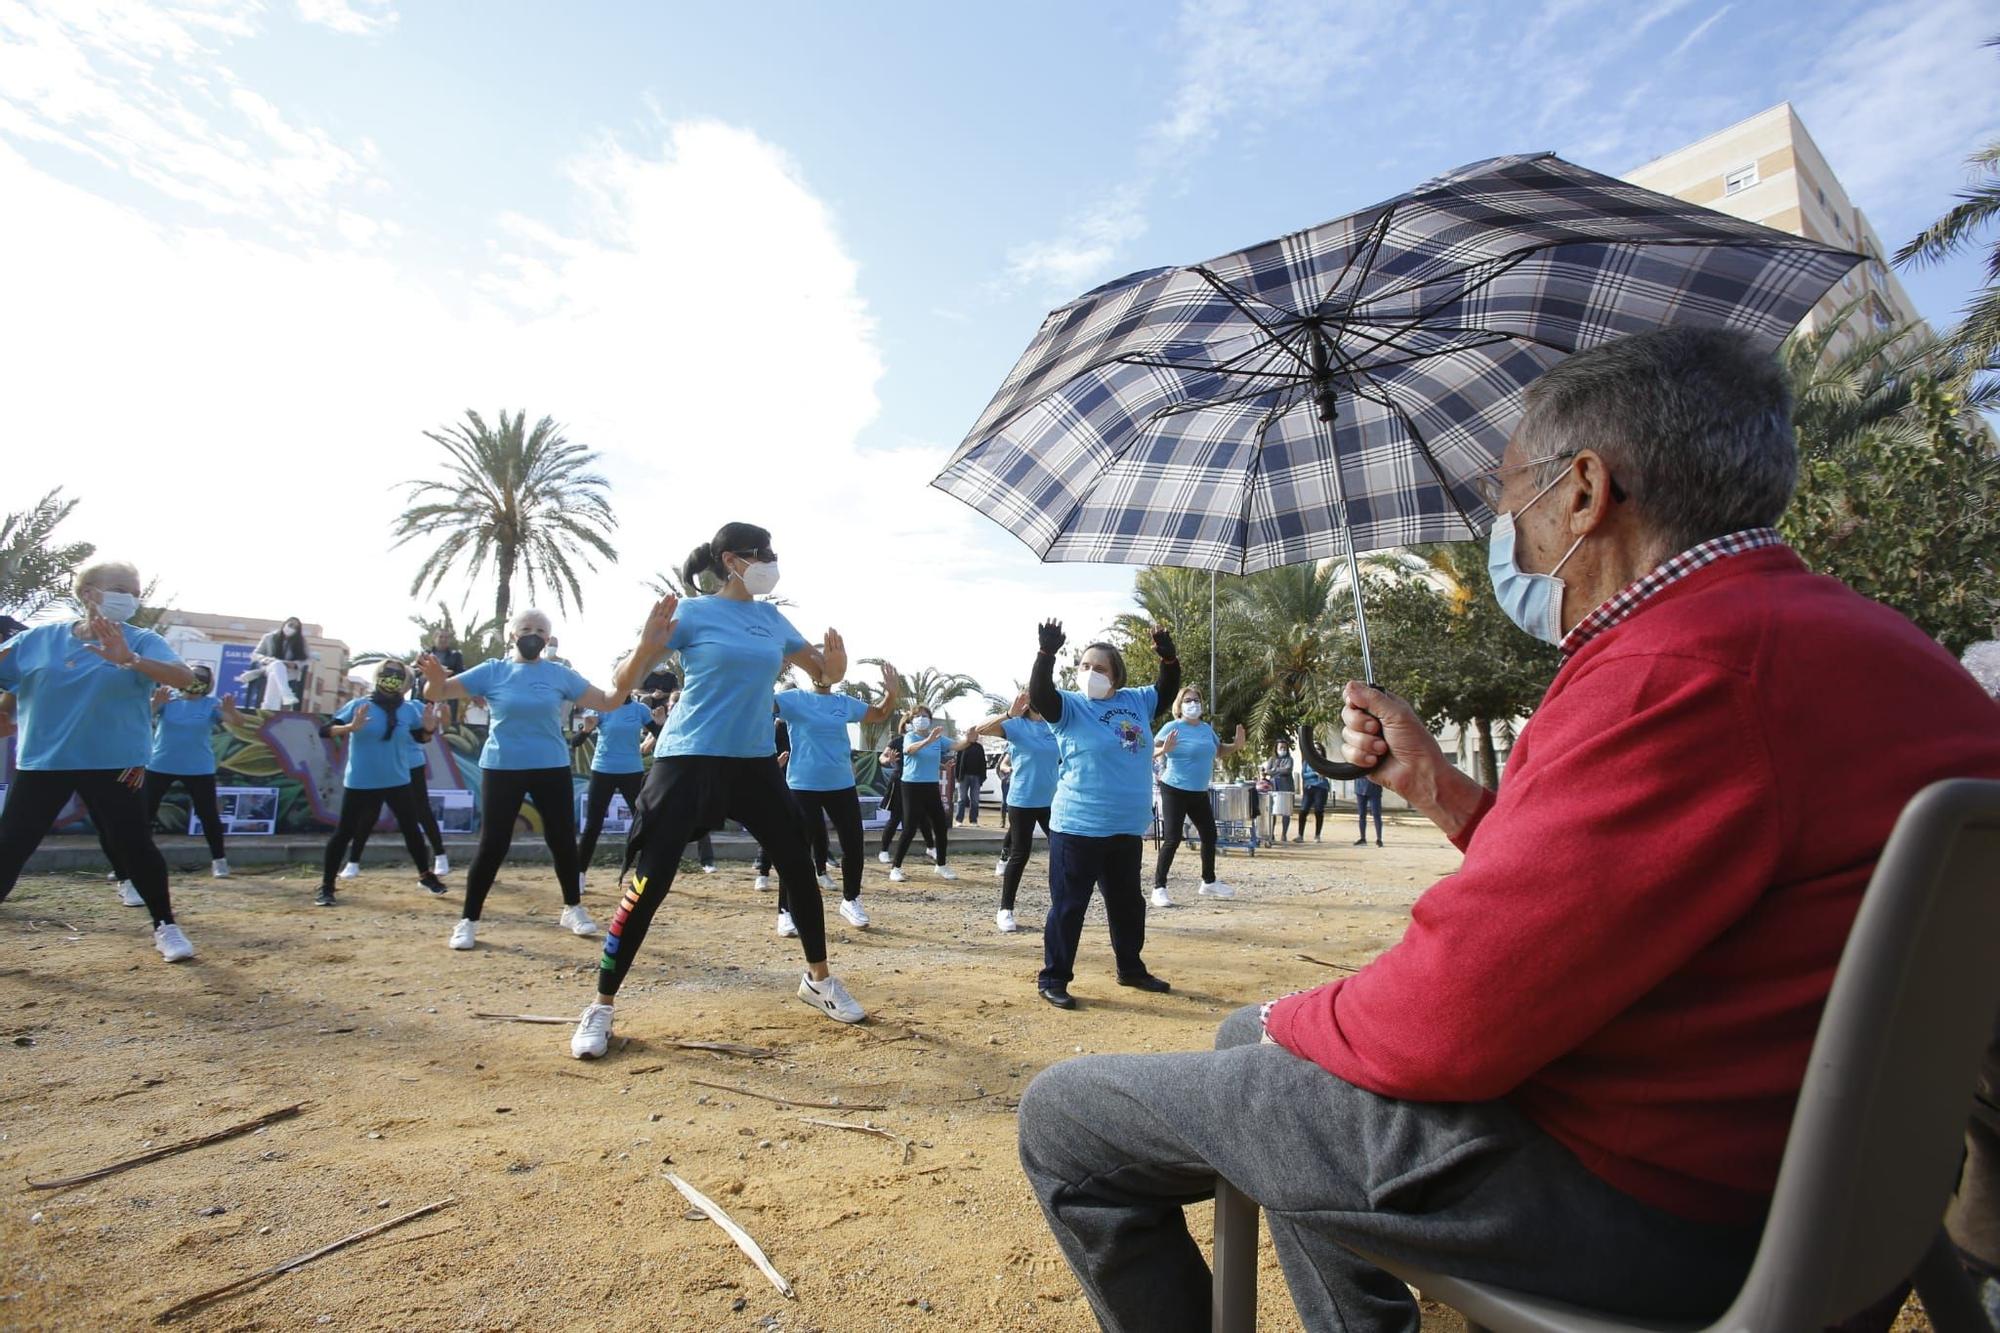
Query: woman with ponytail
{"points": [[526, 758], [377, 772], [716, 761]]}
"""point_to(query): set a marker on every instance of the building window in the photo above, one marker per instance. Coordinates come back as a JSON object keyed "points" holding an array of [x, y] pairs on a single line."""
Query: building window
{"points": [[1822, 197], [1740, 179]]}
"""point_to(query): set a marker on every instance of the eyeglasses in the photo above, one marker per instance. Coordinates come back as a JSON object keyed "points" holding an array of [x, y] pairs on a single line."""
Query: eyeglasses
{"points": [[1487, 485], [763, 555]]}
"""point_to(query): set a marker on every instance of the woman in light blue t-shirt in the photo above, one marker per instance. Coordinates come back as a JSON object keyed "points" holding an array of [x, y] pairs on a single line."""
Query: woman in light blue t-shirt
{"points": [[1187, 748], [1103, 804], [1033, 753], [376, 772]]}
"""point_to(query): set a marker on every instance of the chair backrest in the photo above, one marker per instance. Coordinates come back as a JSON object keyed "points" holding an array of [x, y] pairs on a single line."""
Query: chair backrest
{"points": [[1875, 1143]]}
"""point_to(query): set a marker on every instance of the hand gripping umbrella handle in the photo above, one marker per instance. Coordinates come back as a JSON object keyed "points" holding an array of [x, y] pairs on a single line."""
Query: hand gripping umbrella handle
{"points": [[1327, 768]]}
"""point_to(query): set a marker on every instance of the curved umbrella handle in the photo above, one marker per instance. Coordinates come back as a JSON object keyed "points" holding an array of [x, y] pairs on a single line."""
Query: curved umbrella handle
{"points": [[1327, 768]]}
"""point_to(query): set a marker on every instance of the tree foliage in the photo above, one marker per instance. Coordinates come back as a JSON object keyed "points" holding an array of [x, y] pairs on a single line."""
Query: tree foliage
{"points": [[36, 567]]}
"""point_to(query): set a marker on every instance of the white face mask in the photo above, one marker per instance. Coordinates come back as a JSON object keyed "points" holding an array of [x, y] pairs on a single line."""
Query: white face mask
{"points": [[1096, 684], [1191, 711], [919, 723], [760, 578], [117, 607]]}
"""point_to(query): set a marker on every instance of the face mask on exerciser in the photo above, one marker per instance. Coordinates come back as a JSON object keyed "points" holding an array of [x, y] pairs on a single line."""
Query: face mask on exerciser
{"points": [[1191, 710], [1096, 685], [117, 607], [1532, 601], [759, 579], [531, 645]]}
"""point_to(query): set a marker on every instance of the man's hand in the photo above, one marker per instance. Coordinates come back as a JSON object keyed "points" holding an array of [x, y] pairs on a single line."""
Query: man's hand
{"points": [[1051, 633]]}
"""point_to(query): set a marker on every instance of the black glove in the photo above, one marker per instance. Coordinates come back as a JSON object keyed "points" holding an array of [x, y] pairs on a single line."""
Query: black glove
{"points": [[1052, 636], [1163, 645]]}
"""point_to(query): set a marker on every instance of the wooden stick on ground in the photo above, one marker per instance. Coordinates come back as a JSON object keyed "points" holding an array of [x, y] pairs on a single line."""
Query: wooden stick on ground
{"points": [[726, 1048], [265, 1274], [736, 1233], [268, 1118], [791, 1101], [909, 1148], [524, 1018], [1338, 967]]}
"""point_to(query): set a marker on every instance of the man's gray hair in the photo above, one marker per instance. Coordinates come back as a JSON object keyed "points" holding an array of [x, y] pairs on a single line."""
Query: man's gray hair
{"points": [[1695, 425]]}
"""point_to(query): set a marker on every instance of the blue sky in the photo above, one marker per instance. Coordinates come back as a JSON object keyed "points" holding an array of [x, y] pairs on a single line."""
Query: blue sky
{"points": [[771, 259]]}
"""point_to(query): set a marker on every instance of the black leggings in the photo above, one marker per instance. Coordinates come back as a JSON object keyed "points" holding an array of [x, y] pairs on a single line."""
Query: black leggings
{"points": [[923, 811], [603, 786], [420, 792], [360, 807], [1017, 844], [38, 795], [201, 795], [501, 791], [688, 794], [842, 806], [1176, 806], [1314, 805], [892, 801]]}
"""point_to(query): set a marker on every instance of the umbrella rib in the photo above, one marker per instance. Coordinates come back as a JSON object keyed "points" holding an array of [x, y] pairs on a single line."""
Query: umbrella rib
{"points": [[1236, 298], [1141, 359], [1424, 313], [1250, 482], [1374, 247], [1423, 449]]}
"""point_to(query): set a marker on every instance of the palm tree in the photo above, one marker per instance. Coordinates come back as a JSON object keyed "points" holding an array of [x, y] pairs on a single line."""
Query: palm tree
{"points": [[1977, 209], [479, 640], [523, 499], [35, 569]]}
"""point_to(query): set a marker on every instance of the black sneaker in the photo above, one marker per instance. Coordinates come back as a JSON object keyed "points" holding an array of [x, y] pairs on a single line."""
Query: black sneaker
{"points": [[1146, 981], [1058, 996], [1378, 842], [1361, 842], [325, 896], [434, 884]]}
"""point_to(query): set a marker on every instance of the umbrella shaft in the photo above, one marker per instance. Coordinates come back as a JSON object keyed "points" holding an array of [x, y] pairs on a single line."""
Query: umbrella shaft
{"points": [[1323, 395]]}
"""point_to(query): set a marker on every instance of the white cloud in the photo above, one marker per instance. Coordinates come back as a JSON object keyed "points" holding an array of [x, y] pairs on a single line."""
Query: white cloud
{"points": [[359, 18], [1699, 31]]}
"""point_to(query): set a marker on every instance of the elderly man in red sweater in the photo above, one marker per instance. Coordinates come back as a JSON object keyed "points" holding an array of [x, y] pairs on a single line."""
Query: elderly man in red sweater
{"points": [[1574, 1073]]}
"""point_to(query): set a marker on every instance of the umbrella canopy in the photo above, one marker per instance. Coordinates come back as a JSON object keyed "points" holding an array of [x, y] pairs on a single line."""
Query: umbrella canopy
{"points": [[1335, 390]]}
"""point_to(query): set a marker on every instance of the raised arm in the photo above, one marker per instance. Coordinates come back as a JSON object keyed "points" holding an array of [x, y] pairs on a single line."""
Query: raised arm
{"points": [[653, 639], [230, 712], [892, 690], [437, 685], [997, 726], [108, 643], [1242, 739], [937, 734], [827, 664], [1169, 684], [1042, 694]]}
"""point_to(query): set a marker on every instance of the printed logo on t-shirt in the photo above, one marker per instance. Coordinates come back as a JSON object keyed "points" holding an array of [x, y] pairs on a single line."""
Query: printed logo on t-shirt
{"points": [[758, 631]]}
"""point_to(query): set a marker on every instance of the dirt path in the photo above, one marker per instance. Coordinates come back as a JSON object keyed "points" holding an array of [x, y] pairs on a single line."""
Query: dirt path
{"points": [[564, 1219]]}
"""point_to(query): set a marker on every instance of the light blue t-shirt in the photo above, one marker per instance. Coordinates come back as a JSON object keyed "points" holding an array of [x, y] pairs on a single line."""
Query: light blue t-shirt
{"points": [[822, 760], [923, 765], [1191, 763], [374, 759], [181, 735], [525, 699], [413, 750], [731, 652], [1031, 748], [618, 739], [1106, 787], [75, 709]]}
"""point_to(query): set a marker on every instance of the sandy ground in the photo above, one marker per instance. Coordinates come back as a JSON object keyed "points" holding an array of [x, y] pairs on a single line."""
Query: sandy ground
{"points": [[563, 1216]]}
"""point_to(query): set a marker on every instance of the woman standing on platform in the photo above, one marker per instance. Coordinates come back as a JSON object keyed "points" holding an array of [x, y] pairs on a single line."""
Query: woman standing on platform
{"points": [[1031, 752], [1189, 747], [77, 692], [715, 762], [1103, 804]]}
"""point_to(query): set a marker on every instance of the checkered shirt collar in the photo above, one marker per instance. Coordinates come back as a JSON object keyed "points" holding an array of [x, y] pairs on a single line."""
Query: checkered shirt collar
{"points": [[1616, 610]]}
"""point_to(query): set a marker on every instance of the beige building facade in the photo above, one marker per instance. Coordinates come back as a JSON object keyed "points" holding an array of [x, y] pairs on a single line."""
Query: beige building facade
{"points": [[1767, 169], [199, 637]]}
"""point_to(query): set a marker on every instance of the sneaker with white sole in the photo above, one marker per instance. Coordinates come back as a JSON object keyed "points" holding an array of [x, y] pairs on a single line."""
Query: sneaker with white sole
{"points": [[1004, 919], [830, 998], [708, 868], [128, 894], [896, 875], [785, 926], [352, 870], [440, 864], [173, 945], [946, 872], [462, 933], [826, 882], [1160, 898], [763, 882], [853, 914], [884, 857], [593, 1033], [576, 920], [1216, 889], [219, 867]]}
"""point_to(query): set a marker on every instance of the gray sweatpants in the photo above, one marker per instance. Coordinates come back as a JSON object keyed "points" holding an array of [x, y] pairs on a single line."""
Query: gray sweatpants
{"points": [[1116, 1145]]}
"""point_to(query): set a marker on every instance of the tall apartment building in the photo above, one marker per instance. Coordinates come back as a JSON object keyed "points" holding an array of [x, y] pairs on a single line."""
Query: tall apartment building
{"points": [[1768, 169]]}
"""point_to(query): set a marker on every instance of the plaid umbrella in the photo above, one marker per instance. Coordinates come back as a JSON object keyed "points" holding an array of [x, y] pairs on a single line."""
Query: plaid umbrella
{"points": [[1336, 390]]}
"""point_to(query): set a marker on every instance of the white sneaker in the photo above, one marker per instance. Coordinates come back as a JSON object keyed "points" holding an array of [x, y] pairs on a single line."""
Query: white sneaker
{"points": [[1216, 890], [763, 881], [173, 945], [461, 934], [708, 869], [1005, 920], [1160, 898], [129, 895], [884, 857], [1000, 870], [830, 998], [826, 883], [352, 870], [219, 867], [593, 1033], [440, 864], [785, 926], [852, 913], [896, 875], [946, 872], [577, 920]]}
